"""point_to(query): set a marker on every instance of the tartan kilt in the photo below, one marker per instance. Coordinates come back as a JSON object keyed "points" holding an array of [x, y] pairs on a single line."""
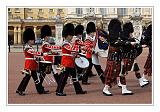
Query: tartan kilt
{"points": [[112, 71], [148, 65], [128, 63]]}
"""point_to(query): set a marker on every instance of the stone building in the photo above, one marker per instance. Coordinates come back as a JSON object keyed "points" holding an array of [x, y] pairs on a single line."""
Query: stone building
{"points": [[21, 18]]}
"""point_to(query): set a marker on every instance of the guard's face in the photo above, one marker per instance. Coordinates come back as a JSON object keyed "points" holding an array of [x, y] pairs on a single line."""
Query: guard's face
{"points": [[70, 37], [31, 42], [79, 36], [92, 34]]}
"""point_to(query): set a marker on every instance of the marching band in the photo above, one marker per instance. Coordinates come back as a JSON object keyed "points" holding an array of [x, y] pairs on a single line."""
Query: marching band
{"points": [[77, 57]]}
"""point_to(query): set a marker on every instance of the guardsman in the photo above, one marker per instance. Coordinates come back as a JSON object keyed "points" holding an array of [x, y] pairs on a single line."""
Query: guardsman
{"points": [[89, 45], [48, 49], [68, 63], [30, 67]]}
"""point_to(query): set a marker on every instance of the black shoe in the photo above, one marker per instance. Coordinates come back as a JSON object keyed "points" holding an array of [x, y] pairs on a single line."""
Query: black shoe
{"points": [[21, 93], [86, 83], [60, 94], [44, 92], [145, 84], [81, 92], [127, 93], [92, 75], [107, 94]]}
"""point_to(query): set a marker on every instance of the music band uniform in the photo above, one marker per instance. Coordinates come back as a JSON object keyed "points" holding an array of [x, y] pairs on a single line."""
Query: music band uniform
{"points": [[130, 54], [48, 50], [89, 43], [31, 65], [113, 66], [68, 56], [148, 41]]}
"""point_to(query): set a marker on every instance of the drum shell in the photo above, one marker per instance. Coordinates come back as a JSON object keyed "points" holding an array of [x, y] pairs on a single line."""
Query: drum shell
{"points": [[80, 70], [45, 67], [57, 60]]}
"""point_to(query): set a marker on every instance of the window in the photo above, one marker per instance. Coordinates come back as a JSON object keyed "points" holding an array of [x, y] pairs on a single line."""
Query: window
{"points": [[122, 11], [51, 10], [91, 10], [40, 10], [103, 11], [17, 10], [29, 10], [79, 11], [9, 9], [137, 11], [59, 11]]}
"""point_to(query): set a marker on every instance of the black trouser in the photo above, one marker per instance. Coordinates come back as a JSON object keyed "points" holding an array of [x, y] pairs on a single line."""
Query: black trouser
{"points": [[89, 69], [63, 79], [26, 79]]}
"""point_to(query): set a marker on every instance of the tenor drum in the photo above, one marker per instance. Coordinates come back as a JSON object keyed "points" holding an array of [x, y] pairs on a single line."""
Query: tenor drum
{"points": [[45, 66], [81, 64]]}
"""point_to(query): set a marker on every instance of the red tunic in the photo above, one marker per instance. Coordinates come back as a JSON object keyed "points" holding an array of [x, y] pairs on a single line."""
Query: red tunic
{"points": [[68, 52], [30, 62], [89, 46], [46, 48]]}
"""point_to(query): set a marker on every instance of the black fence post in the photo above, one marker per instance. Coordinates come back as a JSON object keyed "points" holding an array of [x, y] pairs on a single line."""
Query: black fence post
{"points": [[9, 47]]}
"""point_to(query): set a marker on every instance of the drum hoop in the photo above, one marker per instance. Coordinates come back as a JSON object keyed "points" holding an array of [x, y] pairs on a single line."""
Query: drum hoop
{"points": [[47, 62], [82, 59]]}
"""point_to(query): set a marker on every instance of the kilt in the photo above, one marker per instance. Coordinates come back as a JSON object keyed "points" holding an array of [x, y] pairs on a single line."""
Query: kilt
{"points": [[113, 67], [128, 63], [148, 65]]}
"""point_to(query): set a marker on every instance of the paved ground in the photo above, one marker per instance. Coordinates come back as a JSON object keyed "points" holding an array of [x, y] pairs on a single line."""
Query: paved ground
{"points": [[94, 95]]}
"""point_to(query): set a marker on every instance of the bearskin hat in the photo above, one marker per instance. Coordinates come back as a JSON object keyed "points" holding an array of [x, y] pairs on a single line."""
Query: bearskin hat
{"points": [[79, 30], [46, 31], [28, 34], [68, 29], [114, 26], [128, 28], [90, 27]]}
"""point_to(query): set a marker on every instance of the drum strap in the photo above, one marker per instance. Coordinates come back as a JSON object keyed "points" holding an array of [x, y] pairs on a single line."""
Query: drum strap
{"points": [[29, 59], [67, 55]]}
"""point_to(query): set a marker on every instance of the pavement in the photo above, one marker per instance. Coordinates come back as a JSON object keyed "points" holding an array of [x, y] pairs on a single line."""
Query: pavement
{"points": [[94, 91]]}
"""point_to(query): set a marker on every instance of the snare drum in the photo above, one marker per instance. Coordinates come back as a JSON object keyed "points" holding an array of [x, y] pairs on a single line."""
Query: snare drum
{"points": [[81, 65], [45, 66]]}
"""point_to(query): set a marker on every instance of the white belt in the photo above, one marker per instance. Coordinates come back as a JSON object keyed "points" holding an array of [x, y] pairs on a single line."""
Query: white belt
{"points": [[29, 59], [67, 55]]}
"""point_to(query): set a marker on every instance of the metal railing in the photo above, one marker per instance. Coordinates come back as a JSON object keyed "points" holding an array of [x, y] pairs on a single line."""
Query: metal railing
{"points": [[19, 48]]}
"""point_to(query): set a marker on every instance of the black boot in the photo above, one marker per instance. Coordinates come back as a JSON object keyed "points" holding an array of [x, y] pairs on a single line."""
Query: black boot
{"points": [[22, 86], [85, 79], [78, 88], [56, 77], [102, 79], [61, 84]]}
